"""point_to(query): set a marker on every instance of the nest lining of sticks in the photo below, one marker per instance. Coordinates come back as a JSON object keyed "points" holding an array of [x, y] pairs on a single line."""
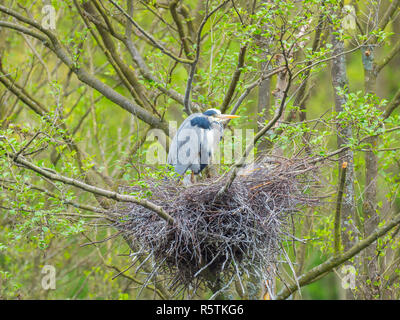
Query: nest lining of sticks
{"points": [[214, 242]]}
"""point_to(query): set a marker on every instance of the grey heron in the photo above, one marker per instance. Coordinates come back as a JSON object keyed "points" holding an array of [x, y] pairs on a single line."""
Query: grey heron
{"points": [[194, 144]]}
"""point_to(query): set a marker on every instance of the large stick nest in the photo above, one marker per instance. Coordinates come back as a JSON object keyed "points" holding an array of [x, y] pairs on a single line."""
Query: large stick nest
{"points": [[216, 241]]}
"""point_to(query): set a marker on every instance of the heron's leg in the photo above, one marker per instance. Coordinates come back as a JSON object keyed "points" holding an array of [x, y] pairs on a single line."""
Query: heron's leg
{"points": [[192, 178]]}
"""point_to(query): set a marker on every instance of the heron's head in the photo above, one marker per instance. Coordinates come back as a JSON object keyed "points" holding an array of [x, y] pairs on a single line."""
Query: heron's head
{"points": [[216, 115]]}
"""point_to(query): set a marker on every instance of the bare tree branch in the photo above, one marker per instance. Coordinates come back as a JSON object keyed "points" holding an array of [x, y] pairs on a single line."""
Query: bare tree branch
{"points": [[335, 261], [193, 64], [52, 175], [150, 37]]}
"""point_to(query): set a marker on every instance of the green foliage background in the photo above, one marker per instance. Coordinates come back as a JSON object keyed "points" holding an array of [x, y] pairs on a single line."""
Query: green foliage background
{"points": [[37, 229]]}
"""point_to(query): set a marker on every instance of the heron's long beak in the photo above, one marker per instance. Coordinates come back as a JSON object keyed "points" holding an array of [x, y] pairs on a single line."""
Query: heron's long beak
{"points": [[227, 116]]}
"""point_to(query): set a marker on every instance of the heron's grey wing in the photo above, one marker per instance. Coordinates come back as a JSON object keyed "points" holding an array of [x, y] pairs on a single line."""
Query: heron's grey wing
{"points": [[183, 149], [173, 155]]}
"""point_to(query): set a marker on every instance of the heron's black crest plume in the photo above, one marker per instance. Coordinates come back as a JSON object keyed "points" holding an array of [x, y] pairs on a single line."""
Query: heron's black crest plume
{"points": [[210, 112]]}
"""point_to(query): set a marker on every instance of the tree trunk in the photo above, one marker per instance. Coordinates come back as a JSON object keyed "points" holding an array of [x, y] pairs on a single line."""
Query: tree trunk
{"points": [[340, 82], [371, 219]]}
